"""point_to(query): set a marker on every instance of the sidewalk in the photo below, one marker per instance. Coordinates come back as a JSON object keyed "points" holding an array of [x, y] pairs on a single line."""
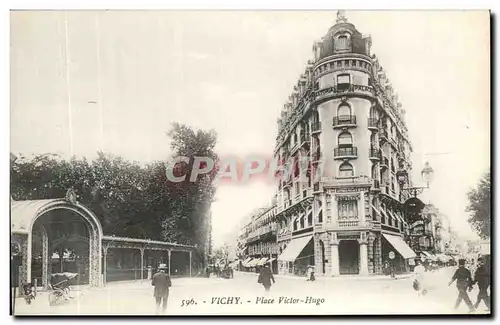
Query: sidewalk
{"points": [[340, 277]]}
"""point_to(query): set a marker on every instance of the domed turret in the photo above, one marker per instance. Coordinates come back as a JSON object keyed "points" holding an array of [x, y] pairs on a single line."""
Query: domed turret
{"points": [[343, 37]]}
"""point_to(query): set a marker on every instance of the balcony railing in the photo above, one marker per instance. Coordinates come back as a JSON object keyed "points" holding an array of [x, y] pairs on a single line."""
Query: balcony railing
{"points": [[345, 152], [375, 153], [373, 123], [344, 120], [348, 223], [315, 127]]}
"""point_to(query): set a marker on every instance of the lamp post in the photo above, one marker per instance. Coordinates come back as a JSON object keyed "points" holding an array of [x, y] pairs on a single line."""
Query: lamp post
{"points": [[427, 174]]}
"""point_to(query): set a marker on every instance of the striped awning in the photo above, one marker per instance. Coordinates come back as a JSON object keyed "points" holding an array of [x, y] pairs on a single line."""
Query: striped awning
{"points": [[253, 262], [262, 261], [245, 262]]}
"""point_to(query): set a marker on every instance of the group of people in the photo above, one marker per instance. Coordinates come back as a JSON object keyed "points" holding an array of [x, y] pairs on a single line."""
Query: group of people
{"points": [[221, 272], [464, 282]]}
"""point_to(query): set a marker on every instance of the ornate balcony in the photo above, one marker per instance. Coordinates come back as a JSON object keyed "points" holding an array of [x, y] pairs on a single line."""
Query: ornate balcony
{"points": [[373, 123], [344, 121], [375, 154], [345, 152], [315, 127]]}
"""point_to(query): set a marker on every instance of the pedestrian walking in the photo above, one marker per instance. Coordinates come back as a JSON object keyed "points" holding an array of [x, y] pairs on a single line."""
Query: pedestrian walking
{"points": [[482, 278], [162, 283], [464, 281], [265, 277], [419, 283]]}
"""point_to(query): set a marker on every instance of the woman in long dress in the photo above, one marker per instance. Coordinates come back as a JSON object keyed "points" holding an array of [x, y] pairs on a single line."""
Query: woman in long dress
{"points": [[419, 283]]}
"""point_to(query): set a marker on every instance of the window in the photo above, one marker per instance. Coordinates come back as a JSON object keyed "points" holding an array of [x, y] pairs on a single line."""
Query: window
{"points": [[348, 209], [295, 224], [302, 222], [342, 43], [345, 139], [346, 170], [343, 79], [320, 217], [310, 219], [344, 111]]}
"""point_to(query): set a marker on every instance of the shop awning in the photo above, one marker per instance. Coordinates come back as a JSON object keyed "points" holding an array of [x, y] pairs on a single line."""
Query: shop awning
{"points": [[262, 261], [294, 248], [442, 258], [245, 262], [253, 262], [400, 246]]}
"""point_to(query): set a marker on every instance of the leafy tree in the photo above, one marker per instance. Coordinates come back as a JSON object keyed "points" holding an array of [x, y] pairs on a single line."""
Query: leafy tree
{"points": [[480, 207], [129, 199], [192, 200]]}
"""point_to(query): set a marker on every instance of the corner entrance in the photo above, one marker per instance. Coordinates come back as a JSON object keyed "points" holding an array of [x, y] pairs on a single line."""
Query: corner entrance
{"points": [[349, 257]]}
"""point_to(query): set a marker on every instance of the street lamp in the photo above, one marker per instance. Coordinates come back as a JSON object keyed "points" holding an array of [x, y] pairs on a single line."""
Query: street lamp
{"points": [[427, 174]]}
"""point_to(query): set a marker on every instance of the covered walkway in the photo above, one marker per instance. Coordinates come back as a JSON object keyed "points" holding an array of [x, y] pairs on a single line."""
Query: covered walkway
{"points": [[65, 232]]}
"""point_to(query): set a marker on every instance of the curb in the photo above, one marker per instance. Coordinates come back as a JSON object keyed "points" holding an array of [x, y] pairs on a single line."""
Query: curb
{"points": [[341, 277]]}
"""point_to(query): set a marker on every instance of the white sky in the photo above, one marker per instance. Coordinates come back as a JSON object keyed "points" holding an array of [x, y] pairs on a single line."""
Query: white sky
{"points": [[233, 71]]}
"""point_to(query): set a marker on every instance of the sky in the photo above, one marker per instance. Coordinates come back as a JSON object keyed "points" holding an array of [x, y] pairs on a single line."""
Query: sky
{"points": [[123, 77]]}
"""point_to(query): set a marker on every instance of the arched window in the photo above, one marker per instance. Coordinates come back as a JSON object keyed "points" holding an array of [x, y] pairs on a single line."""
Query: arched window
{"points": [[344, 109], [342, 42], [345, 139], [346, 170], [302, 221], [295, 224], [309, 219]]}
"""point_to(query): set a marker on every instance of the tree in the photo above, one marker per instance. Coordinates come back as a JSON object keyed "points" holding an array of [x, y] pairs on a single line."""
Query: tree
{"points": [[190, 208], [129, 199], [480, 207]]}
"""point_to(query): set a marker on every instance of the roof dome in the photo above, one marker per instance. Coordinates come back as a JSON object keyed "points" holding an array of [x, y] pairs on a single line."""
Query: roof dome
{"points": [[343, 37]]}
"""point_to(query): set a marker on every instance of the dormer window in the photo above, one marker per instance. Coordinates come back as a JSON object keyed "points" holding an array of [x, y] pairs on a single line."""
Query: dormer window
{"points": [[342, 42]]}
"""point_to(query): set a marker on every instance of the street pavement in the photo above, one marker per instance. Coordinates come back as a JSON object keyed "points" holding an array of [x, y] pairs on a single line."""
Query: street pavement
{"points": [[325, 296]]}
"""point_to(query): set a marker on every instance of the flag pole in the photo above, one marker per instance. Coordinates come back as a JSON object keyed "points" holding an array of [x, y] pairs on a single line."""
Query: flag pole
{"points": [[99, 82], [68, 84]]}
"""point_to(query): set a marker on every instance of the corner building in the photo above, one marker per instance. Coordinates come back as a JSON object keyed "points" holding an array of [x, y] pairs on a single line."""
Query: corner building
{"points": [[343, 214]]}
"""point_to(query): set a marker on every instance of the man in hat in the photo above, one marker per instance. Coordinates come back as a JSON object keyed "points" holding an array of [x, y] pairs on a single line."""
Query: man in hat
{"points": [[161, 282], [265, 277], [482, 278], [464, 282]]}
